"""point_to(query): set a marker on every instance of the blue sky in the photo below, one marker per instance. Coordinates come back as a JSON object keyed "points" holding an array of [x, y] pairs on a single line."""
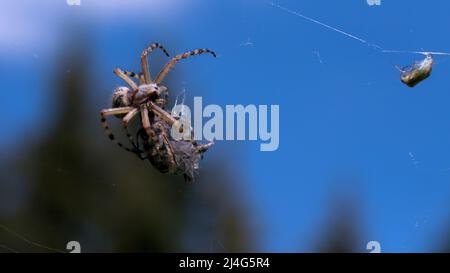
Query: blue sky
{"points": [[343, 111]]}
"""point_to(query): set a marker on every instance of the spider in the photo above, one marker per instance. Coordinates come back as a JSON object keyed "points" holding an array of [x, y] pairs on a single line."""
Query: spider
{"points": [[149, 99]]}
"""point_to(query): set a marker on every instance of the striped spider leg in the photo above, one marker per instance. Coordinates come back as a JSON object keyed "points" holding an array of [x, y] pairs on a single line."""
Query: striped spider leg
{"points": [[144, 60], [139, 77], [118, 111], [163, 73]]}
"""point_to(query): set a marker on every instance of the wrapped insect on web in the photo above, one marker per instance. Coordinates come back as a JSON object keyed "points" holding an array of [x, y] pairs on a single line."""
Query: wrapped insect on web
{"points": [[417, 72], [148, 99], [410, 75]]}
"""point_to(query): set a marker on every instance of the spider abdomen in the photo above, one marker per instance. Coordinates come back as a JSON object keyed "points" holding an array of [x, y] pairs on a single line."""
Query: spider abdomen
{"points": [[121, 98]]}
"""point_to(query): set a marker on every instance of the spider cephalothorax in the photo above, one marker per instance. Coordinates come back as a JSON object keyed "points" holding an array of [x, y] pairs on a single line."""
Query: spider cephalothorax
{"points": [[149, 98], [123, 96]]}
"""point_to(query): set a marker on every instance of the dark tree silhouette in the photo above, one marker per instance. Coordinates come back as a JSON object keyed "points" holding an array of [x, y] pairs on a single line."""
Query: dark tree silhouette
{"points": [[342, 231]]}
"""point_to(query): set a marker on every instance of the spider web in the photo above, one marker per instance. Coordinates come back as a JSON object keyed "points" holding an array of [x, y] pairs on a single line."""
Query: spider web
{"points": [[26, 240], [352, 36]]}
